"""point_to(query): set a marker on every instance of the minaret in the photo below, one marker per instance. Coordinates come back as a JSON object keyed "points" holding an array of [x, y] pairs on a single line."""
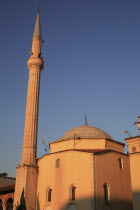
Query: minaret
{"points": [[34, 64], [27, 170]]}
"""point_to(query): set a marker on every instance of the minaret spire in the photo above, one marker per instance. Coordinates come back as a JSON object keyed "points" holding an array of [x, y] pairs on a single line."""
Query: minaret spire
{"points": [[37, 28], [26, 177]]}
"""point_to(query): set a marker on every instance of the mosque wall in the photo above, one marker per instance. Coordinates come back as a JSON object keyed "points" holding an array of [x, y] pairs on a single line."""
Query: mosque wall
{"points": [[75, 169], [135, 174], [77, 144], [112, 173], [87, 144], [134, 154], [113, 145]]}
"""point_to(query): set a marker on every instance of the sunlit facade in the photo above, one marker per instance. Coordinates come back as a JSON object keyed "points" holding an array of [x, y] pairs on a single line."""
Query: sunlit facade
{"points": [[83, 171]]}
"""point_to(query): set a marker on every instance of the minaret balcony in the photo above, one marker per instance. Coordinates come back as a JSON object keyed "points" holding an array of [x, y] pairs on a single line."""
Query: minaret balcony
{"points": [[35, 62]]}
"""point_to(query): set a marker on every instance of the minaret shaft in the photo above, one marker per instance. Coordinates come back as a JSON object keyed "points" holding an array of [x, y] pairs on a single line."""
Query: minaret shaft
{"points": [[31, 118], [36, 47]]}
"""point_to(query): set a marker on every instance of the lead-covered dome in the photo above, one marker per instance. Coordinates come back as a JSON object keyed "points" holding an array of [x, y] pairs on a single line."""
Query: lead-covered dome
{"points": [[85, 132]]}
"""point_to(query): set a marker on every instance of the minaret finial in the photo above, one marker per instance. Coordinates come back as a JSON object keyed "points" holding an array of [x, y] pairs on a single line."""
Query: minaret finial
{"points": [[85, 120], [37, 28], [37, 39]]}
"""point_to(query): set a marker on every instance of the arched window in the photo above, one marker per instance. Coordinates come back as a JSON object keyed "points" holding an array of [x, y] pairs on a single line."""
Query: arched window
{"points": [[107, 206], [47, 208], [72, 193], [49, 195], [106, 192], [121, 161], [1, 207], [57, 163], [9, 204], [72, 206]]}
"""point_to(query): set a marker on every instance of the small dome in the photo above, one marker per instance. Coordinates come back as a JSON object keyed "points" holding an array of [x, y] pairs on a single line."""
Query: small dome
{"points": [[85, 132]]}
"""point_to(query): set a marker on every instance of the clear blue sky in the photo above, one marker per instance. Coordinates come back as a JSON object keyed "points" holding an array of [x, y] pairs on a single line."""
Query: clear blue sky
{"points": [[92, 64]]}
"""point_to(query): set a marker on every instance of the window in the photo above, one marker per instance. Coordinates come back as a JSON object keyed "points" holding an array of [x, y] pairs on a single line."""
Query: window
{"points": [[106, 192], [57, 163], [107, 206], [47, 208], [72, 206], [134, 149], [49, 195], [72, 193], [121, 162]]}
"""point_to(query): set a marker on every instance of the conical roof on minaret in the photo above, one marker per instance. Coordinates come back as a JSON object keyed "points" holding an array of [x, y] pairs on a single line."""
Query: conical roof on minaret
{"points": [[37, 29]]}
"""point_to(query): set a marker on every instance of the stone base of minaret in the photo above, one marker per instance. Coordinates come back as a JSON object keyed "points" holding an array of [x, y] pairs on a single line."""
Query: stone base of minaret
{"points": [[26, 177]]}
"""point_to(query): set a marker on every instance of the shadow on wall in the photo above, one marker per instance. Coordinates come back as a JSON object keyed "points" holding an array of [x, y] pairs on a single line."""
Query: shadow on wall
{"points": [[100, 204], [136, 200], [90, 204], [38, 204]]}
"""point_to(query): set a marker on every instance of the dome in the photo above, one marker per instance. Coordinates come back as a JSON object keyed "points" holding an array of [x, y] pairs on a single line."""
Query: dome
{"points": [[85, 132]]}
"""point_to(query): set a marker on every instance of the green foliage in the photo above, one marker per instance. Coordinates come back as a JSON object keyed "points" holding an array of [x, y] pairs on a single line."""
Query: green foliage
{"points": [[22, 205]]}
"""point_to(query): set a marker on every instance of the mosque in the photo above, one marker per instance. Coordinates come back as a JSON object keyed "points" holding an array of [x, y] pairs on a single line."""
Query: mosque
{"points": [[85, 170]]}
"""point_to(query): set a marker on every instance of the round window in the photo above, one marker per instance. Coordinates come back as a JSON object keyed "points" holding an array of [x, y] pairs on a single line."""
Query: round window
{"points": [[134, 149]]}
